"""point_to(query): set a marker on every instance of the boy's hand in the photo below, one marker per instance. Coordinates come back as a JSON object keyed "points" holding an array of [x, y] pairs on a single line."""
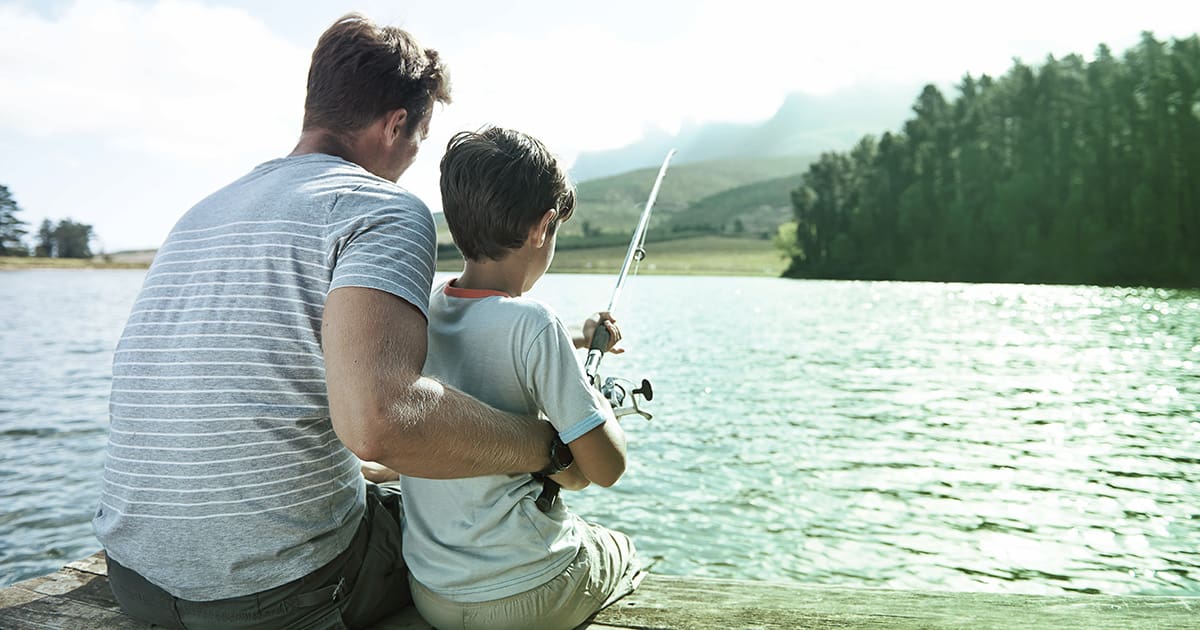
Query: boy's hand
{"points": [[378, 473], [589, 330], [571, 478]]}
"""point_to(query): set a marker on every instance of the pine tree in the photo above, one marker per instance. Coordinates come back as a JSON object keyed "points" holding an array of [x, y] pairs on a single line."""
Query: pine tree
{"points": [[12, 229]]}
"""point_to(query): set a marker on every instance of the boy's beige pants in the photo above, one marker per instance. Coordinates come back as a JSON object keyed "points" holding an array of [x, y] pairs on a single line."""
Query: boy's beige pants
{"points": [[605, 570]]}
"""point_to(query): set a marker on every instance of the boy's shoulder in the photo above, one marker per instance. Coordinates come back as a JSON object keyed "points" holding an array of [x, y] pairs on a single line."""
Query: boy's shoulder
{"points": [[533, 309], [454, 297]]}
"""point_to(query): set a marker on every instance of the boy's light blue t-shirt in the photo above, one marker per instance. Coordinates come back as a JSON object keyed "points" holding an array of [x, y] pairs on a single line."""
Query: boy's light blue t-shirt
{"points": [[483, 538]]}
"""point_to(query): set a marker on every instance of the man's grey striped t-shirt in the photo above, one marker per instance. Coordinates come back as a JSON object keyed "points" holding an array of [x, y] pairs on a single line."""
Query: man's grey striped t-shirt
{"points": [[223, 474]]}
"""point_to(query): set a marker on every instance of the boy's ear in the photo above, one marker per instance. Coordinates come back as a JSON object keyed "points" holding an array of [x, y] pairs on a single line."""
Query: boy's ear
{"points": [[541, 230]]}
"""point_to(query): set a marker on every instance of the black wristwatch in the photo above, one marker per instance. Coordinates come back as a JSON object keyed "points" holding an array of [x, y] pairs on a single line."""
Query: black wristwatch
{"points": [[560, 457]]}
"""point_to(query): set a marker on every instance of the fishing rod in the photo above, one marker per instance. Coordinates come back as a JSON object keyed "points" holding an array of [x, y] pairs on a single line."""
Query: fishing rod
{"points": [[618, 390], [615, 389]]}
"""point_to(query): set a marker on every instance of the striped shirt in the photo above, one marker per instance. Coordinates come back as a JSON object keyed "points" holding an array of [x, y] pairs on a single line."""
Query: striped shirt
{"points": [[223, 475]]}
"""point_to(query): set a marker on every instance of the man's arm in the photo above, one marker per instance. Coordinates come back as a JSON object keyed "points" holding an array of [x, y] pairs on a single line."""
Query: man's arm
{"points": [[385, 411]]}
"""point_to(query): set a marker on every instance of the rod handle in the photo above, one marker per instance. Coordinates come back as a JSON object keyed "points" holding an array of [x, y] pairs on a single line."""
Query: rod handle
{"points": [[549, 493], [600, 339]]}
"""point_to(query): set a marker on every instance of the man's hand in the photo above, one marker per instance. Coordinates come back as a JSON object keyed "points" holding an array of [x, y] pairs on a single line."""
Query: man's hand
{"points": [[589, 330]]}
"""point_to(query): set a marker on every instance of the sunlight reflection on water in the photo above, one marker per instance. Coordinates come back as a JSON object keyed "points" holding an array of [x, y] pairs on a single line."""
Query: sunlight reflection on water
{"points": [[1016, 438]]}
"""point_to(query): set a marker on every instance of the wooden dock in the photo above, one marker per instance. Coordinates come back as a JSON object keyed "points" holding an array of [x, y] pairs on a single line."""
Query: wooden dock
{"points": [[78, 597]]}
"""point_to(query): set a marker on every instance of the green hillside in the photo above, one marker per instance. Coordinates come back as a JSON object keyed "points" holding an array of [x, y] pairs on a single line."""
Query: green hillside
{"points": [[752, 209], [702, 255], [613, 204], [747, 198]]}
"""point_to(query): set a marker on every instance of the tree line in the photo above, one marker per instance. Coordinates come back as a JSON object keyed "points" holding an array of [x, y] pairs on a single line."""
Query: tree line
{"points": [[65, 239], [1074, 171]]}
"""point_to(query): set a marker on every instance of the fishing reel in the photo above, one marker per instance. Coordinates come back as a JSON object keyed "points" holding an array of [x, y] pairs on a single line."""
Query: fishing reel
{"points": [[623, 394]]}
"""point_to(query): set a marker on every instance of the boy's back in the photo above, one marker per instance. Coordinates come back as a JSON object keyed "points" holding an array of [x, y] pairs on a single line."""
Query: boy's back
{"points": [[480, 552], [483, 538]]}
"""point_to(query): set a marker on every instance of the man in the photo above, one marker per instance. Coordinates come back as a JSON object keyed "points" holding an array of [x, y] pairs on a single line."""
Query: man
{"points": [[278, 339]]}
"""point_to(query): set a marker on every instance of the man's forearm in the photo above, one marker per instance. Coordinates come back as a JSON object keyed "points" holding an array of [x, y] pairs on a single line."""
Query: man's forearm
{"points": [[439, 432], [384, 410]]}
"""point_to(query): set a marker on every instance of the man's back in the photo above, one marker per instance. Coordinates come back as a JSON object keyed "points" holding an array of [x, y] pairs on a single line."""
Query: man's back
{"points": [[224, 476]]}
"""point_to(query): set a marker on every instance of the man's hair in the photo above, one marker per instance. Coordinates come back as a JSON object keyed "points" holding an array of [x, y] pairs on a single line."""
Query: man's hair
{"points": [[361, 71], [496, 185]]}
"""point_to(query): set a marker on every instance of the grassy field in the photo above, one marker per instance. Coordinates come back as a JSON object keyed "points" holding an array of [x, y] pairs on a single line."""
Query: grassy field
{"points": [[13, 263], [705, 255]]}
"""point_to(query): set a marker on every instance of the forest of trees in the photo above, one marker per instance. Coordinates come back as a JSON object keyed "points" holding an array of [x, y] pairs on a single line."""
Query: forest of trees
{"points": [[1074, 171], [65, 239]]}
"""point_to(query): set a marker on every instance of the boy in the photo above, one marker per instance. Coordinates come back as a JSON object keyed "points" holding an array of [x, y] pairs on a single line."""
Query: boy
{"points": [[480, 552]]}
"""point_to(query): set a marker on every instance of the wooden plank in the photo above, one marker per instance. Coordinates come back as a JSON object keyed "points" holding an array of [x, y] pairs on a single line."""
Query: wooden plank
{"points": [[14, 596], [26, 609], [78, 597], [673, 602], [96, 564], [69, 583], [65, 614]]}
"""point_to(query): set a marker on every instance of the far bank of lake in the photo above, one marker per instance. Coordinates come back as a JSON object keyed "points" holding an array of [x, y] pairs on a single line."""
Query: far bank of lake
{"points": [[705, 255]]}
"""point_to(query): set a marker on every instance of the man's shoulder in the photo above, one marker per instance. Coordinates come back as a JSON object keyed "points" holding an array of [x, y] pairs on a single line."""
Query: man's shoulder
{"points": [[321, 174], [362, 198], [350, 181]]}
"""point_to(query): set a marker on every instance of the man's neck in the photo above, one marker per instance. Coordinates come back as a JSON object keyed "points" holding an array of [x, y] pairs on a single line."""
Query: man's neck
{"points": [[321, 141]]}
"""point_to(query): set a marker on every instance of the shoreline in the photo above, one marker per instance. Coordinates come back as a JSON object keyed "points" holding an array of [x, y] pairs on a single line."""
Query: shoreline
{"points": [[81, 265], [134, 259], [695, 256]]}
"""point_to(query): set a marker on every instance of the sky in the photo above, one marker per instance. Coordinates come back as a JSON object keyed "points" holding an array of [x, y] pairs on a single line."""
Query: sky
{"points": [[124, 113]]}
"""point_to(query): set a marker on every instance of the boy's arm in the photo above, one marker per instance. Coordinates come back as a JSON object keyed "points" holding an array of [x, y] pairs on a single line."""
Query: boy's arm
{"points": [[561, 390], [600, 453], [384, 411]]}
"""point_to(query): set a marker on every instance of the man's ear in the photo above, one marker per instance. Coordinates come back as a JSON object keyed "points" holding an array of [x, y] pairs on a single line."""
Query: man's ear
{"points": [[541, 231], [395, 125]]}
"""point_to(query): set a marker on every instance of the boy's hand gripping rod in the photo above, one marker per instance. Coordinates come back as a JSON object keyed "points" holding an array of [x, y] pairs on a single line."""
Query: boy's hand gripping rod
{"points": [[615, 389]]}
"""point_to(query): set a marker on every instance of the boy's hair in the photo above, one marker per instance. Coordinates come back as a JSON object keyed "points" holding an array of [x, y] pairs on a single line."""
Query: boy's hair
{"points": [[361, 71], [496, 184]]}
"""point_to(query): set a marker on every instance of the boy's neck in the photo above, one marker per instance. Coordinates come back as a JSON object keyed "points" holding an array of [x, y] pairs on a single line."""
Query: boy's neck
{"points": [[507, 275]]}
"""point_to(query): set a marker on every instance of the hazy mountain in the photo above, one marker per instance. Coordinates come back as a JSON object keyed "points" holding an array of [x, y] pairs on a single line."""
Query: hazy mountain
{"points": [[803, 125]]}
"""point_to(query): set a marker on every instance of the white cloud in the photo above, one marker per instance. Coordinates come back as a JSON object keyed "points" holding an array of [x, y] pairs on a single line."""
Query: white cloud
{"points": [[174, 78], [582, 83], [202, 93]]}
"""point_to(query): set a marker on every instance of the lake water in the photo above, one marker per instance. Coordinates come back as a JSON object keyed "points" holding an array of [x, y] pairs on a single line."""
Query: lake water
{"points": [[1031, 439]]}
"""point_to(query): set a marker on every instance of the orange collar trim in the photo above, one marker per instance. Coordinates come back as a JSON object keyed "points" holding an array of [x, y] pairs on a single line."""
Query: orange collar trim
{"points": [[471, 294]]}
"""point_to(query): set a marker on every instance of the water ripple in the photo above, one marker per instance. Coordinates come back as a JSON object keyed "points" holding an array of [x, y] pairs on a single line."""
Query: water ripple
{"points": [[1007, 438]]}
